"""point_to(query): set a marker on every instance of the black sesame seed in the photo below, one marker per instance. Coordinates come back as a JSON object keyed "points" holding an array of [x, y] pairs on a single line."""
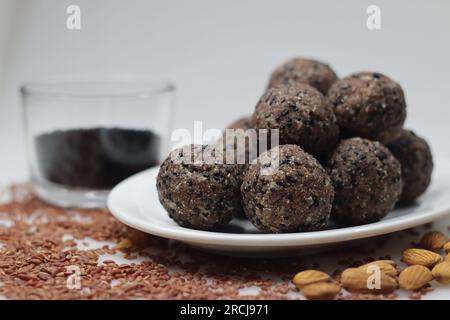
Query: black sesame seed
{"points": [[290, 179]]}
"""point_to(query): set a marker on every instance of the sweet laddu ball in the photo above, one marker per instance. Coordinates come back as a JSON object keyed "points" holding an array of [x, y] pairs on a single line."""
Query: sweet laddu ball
{"points": [[300, 70], [416, 160], [196, 193], [296, 195], [303, 116], [367, 181], [368, 105]]}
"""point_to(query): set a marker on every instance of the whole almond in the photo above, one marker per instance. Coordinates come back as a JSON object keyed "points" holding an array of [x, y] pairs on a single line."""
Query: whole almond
{"points": [[447, 258], [386, 266], [447, 247], [414, 277], [441, 272], [434, 240], [321, 291], [357, 280], [133, 241], [307, 277], [421, 257], [124, 245]]}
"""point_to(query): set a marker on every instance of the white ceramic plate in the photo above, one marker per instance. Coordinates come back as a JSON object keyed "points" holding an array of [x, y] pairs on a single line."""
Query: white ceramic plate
{"points": [[135, 203]]}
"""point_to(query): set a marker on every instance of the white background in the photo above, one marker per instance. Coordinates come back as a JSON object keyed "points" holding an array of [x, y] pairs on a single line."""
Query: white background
{"points": [[220, 53]]}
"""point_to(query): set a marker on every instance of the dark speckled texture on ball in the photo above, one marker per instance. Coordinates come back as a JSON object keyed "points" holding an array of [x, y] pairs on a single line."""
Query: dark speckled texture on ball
{"points": [[416, 160], [296, 196], [300, 70], [196, 194], [366, 179], [303, 116], [368, 105]]}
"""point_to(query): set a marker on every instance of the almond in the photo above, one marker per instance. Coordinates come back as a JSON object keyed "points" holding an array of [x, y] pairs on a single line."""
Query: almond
{"points": [[447, 258], [447, 247], [133, 241], [386, 266], [124, 245], [434, 240], [307, 277], [321, 291], [441, 272], [357, 280], [422, 257], [414, 277]]}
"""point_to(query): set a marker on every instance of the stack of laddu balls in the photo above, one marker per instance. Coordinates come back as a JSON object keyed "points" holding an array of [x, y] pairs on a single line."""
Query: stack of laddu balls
{"points": [[343, 155]]}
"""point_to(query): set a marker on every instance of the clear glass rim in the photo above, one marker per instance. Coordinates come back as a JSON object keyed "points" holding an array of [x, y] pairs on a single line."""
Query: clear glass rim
{"points": [[64, 89]]}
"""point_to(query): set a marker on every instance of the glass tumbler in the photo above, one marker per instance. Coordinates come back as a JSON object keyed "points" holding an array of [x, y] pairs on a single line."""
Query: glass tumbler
{"points": [[84, 137]]}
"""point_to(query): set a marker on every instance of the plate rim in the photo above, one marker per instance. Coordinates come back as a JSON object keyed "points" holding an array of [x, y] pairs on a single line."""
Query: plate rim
{"points": [[322, 237]]}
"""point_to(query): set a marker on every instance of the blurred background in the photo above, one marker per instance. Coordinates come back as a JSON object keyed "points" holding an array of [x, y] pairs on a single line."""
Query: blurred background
{"points": [[220, 53]]}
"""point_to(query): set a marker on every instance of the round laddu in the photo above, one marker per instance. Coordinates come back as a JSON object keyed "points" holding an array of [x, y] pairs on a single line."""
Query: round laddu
{"points": [[416, 160], [303, 116], [368, 105], [195, 193], [287, 190], [367, 181], [300, 70]]}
